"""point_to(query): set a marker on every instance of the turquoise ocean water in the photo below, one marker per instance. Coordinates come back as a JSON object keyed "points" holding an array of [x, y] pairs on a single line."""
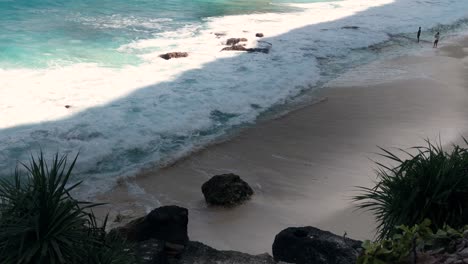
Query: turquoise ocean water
{"points": [[40, 33]]}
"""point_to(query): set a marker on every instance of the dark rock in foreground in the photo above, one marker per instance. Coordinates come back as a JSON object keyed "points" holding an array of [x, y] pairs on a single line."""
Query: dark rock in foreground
{"points": [[197, 252], [259, 35], [226, 190], [151, 252], [167, 223], [172, 55], [234, 41], [305, 245]]}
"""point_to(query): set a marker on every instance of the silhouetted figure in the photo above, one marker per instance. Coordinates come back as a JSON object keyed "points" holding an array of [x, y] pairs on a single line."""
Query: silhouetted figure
{"points": [[436, 39], [419, 33]]}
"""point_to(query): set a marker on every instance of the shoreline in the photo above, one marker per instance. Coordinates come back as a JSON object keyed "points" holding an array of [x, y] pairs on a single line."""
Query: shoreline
{"points": [[304, 166]]}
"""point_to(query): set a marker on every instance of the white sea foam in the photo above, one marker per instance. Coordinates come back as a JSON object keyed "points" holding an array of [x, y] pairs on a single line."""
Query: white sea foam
{"points": [[123, 119]]}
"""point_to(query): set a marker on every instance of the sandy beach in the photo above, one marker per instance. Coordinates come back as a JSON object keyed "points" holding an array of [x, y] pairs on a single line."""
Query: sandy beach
{"points": [[305, 165]]}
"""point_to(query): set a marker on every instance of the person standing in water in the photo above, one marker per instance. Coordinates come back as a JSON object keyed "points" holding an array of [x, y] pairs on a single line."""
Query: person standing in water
{"points": [[436, 39], [419, 33]]}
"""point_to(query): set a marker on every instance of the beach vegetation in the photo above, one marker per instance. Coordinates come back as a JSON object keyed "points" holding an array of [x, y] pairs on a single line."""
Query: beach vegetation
{"points": [[40, 222], [409, 244], [429, 183]]}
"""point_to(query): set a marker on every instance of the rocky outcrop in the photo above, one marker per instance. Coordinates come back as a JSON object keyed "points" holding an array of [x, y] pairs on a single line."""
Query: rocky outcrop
{"points": [[305, 245], [453, 252], [172, 55], [152, 252], [167, 223], [226, 190], [197, 252], [234, 41], [235, 48], [259, 35]]}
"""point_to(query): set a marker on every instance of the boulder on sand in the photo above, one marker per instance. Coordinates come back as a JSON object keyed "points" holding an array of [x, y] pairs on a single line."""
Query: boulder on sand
{"points": [[305, 245], [226, 190], [259, 35], [172, 55]]}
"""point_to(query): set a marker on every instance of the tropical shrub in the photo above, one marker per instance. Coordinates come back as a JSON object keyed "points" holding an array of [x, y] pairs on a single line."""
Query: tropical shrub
{"points": [[41, 223], [432, 184], [407, 243]]}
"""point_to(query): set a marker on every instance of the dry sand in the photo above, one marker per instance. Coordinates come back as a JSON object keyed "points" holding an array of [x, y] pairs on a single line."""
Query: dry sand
{"points": [[304, 166]]}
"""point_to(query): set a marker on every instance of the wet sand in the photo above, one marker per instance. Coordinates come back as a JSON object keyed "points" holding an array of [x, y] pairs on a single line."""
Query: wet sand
{"points": [[304, 166]]}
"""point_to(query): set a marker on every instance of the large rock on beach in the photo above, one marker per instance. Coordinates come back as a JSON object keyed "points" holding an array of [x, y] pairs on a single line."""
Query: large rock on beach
{"points": [[234, 41], [166, 223], [305, 245], [172, 55], [226, 190], [259, 35]]}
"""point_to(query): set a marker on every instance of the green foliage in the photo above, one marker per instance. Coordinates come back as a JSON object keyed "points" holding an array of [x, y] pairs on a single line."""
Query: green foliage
{"points": [[430, 184], [41, 223], [406, 243]]}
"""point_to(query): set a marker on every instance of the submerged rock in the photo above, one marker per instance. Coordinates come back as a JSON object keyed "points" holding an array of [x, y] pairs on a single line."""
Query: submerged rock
{"points": [[172, 55], [234, 41], [350, 27], [249, 50], [262, 50], [226, 190], [166, 223], [305, 245]]}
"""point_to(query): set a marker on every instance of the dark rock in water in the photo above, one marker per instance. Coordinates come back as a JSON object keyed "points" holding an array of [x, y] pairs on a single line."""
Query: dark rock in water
{"points": [[235, 48], [197, 252], [262, 50], [234, 41], [172, 55], [305, 245], [166, 223], [67, 106], [350, 27], [226, 190], [259, 35]]}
